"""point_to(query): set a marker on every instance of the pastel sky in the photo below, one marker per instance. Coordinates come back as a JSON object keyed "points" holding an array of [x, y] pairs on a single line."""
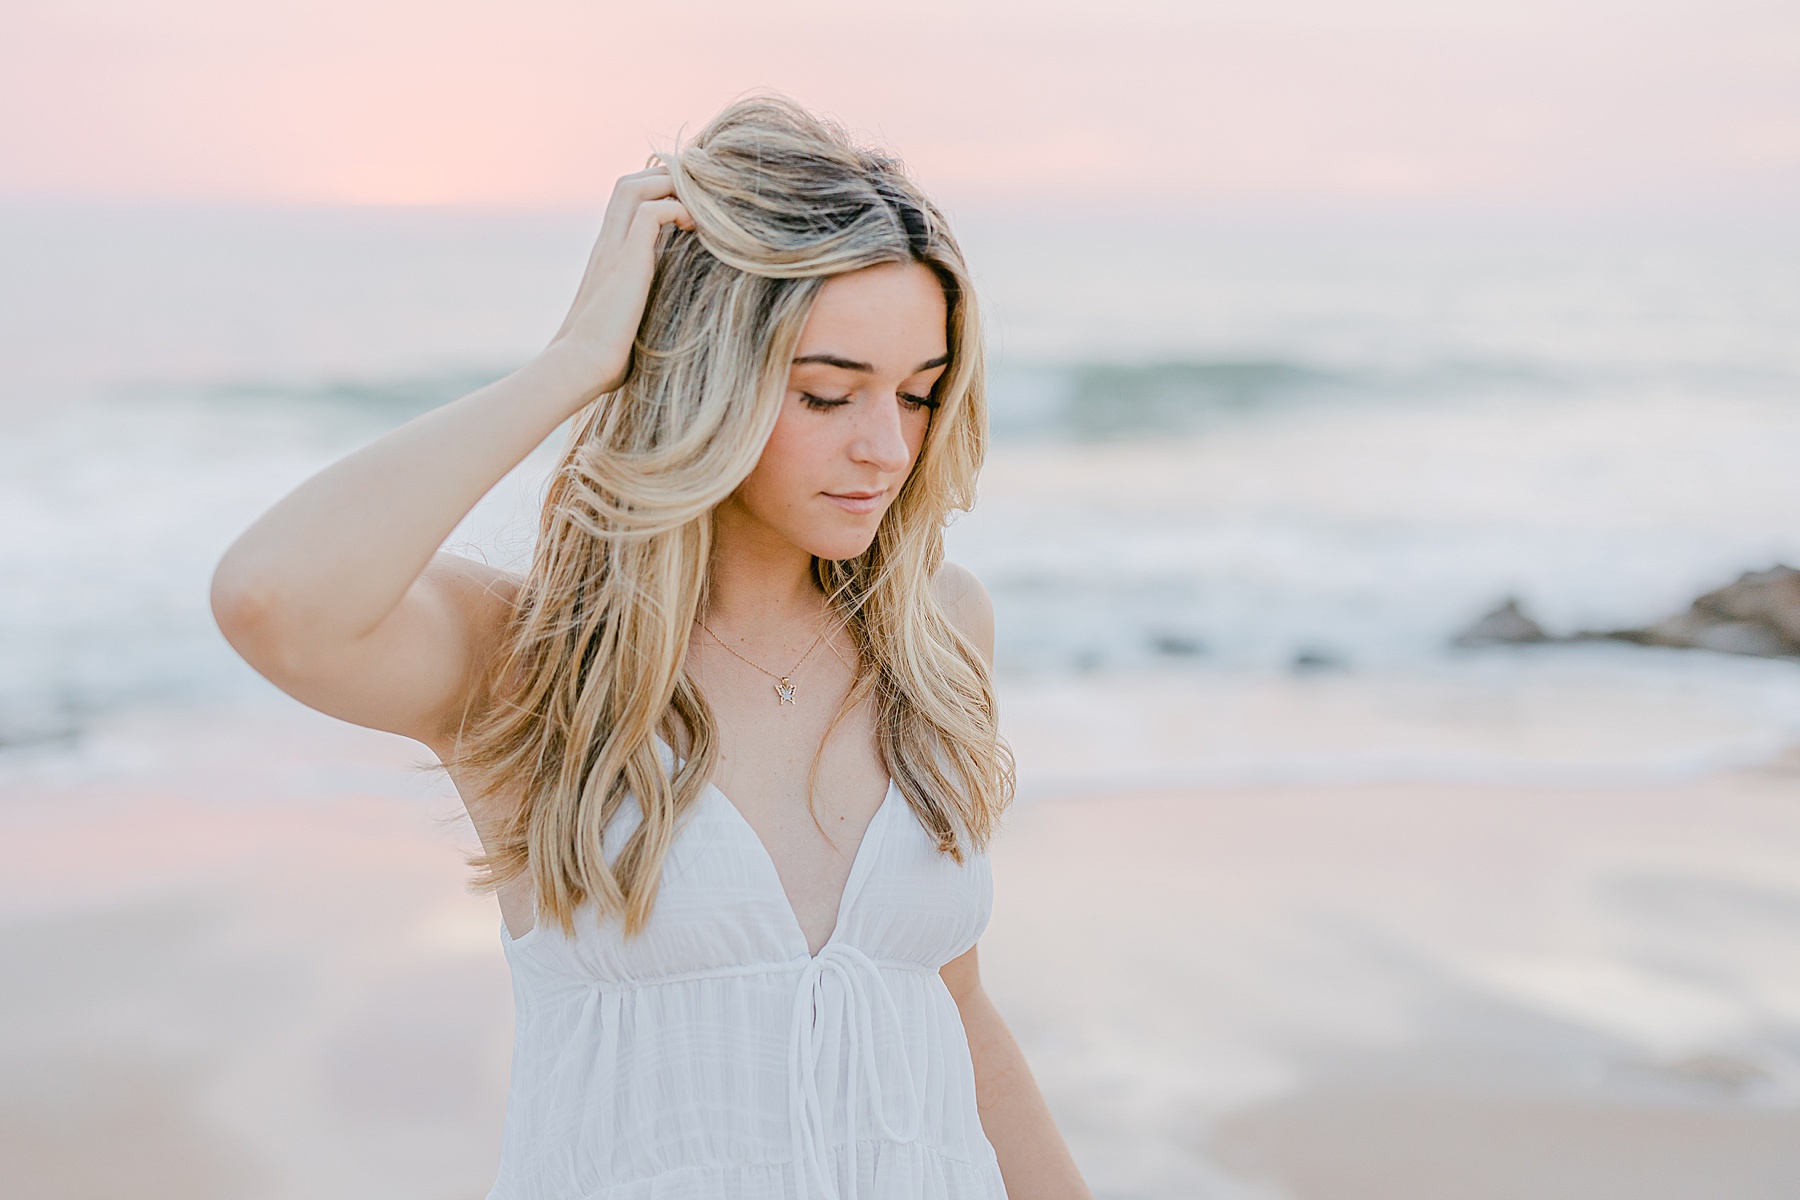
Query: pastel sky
{"points": [[543, 102]]}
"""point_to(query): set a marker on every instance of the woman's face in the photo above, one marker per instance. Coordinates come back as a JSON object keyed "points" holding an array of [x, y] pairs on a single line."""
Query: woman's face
{"points": [[858, 404]]}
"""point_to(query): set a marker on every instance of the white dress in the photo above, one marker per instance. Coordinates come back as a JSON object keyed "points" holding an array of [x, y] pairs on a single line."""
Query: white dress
{"points": [[713, 1058]]}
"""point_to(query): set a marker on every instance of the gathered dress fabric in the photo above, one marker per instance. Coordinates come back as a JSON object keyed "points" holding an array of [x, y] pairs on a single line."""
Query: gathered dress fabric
{"points": [[713, 1056]]}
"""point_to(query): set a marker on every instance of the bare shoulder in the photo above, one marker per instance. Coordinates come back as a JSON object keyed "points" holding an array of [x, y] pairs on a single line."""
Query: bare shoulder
{"points": [[479, 599], [484, 597], [485, 594], [966, 602]]}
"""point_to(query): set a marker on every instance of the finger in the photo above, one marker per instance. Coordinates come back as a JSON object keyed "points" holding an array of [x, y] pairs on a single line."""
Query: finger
{"points": [[651, 172], [653, 215], [629, 194], [621, 210], [650, 187]]}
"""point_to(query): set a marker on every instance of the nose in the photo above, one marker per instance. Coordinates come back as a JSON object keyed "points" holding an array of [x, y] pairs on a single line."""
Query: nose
{"points": [[880, 438]]}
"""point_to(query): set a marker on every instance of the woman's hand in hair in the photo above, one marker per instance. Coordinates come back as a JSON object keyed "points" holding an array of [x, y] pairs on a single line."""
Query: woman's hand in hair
{"points": [[603, 321], [338, 594]]}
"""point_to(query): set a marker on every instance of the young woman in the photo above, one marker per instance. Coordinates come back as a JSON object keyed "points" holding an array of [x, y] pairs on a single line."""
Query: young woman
{"points": [[730, 743]]}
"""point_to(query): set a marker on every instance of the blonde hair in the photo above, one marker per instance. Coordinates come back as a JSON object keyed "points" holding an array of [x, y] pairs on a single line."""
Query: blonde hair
{"points": [[591, 671]]}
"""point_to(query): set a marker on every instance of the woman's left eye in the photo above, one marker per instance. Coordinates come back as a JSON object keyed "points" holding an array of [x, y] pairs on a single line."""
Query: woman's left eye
{"points": [[918, 401]]}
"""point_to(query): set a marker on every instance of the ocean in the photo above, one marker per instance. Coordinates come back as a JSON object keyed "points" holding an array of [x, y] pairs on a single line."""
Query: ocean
{"points": [[1276, 459]]}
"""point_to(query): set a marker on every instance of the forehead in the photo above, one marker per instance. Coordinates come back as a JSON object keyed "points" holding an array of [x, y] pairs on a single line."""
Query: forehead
{"points": [[890, 315]]}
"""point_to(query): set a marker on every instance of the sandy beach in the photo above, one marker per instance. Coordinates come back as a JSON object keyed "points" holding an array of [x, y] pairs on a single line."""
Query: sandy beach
{"points": [[243, 959], [1415, 990]]}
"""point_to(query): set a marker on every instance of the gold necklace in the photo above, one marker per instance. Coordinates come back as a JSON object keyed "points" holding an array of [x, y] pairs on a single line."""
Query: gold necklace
{"points": [[784, 684]]}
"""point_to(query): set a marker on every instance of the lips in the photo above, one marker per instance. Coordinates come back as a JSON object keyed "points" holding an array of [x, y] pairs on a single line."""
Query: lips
{"points": [[856, 502]]}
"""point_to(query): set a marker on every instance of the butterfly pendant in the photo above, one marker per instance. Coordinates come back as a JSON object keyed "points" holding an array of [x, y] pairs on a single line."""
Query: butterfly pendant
{"points": [[784, 692]]}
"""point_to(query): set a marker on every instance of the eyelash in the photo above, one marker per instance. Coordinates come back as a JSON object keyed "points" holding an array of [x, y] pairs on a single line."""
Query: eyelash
{"points": [[826, 403]]}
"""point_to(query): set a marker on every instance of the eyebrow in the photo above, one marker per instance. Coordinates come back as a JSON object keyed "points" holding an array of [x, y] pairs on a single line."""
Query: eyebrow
{"points": [[846, 364]]}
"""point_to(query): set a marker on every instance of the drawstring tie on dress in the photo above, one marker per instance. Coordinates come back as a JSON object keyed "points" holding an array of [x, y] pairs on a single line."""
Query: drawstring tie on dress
{"points": [[853, 1002]]}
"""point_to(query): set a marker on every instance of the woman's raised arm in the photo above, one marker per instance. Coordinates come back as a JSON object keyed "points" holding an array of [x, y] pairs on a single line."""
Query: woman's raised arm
{"points": [[338, 594]]}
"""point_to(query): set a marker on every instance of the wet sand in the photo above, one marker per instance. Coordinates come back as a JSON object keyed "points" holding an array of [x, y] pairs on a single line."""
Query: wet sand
{"points": [[1373, 1144], [241, 962], [1415, 990], [272, 980]]}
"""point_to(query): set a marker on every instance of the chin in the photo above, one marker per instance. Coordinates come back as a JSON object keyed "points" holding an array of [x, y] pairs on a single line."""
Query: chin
{"points": [[839, 544]]}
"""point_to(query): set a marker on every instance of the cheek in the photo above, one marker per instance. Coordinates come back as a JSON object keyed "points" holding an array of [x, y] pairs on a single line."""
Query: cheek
{"points": [[918, 427], [790, 467]]}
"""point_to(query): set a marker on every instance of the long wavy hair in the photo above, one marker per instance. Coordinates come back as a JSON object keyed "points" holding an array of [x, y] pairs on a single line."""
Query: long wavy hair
{"points": [[591, 671]]}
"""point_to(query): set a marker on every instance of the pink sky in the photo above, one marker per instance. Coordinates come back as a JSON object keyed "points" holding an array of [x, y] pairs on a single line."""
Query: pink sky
{"points": [[543, 102]]}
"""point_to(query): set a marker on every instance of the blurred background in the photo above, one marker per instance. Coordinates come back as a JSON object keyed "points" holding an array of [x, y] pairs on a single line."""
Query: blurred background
{"points": [[1319, 331]]}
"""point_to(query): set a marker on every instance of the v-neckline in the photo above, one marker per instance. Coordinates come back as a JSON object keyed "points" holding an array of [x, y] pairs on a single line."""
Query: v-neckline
{"points": [[858, 867]]}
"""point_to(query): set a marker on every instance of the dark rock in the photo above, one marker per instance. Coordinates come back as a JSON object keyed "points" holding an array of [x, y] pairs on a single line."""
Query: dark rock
{"points": [[1315, 659], [1768, 598], [1177, 645], [1505, 626], [1759, 614]]}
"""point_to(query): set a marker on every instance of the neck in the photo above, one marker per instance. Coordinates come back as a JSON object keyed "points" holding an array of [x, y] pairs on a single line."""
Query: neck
{"points": [[757, 579]]}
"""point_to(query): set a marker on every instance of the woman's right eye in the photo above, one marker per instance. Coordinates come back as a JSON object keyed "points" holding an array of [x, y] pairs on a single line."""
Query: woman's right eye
{"points": [[823, 402]]}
